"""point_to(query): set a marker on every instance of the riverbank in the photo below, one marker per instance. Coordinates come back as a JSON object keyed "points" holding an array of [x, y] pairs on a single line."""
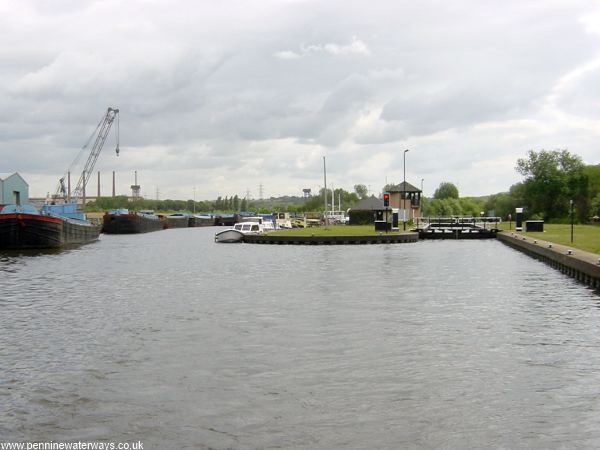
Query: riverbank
{"points": [[585, 237], [333, 239], [579, 264]]}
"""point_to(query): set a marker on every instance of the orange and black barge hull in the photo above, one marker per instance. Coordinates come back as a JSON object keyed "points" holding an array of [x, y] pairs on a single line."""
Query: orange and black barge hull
{"points": [[30, 231]]}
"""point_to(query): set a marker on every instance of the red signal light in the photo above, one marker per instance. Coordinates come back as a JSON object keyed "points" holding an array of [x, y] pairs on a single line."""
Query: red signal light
{"points": [[386, 200]]}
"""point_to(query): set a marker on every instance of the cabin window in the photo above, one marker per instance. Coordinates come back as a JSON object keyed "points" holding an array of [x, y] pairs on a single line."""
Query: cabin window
{"points": [[254, 228], [17, 198], [416, 200], [246, 228], [238, 227]]}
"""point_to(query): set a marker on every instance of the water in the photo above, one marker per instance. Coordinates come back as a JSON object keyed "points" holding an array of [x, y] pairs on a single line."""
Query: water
{"points": [[179, 342]]}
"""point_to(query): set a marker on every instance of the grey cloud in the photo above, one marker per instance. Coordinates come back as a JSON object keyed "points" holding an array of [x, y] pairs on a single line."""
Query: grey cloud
{"points": [[580, 98], [234, 90], [431, 113]]}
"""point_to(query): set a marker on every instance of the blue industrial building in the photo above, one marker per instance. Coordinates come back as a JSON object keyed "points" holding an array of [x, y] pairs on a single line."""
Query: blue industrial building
{"points": [[13, 189]]}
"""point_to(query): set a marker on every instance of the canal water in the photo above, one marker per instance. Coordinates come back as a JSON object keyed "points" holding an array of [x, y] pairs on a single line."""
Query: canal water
{"points": [[173, 340]]}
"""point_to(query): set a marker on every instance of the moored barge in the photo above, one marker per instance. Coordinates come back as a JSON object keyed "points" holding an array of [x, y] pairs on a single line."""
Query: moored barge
{"points": [[201, 221], [177, 220], [123, 221], [24, 227]]}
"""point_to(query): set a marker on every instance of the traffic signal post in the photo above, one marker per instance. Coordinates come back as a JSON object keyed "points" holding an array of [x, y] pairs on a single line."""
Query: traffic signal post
{"points": [[386, 205]]}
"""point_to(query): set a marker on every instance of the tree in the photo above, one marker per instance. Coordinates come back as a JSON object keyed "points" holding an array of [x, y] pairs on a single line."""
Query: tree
{"points": [[446, 190], [361, 190], [593, 174], [596, 206], [446, 207], [552, 179], [471, 207], [502, 204]]}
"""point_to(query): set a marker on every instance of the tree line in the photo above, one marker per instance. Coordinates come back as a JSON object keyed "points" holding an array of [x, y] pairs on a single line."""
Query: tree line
{"points": [[233, 203], [554, 184]]}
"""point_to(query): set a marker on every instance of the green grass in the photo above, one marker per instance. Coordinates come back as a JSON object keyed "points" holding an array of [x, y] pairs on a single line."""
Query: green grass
{"points": [[333, 230], [585, 237]]}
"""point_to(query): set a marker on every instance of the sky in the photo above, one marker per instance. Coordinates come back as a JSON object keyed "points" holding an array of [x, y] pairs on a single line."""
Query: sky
{"points": [[224, 97]]}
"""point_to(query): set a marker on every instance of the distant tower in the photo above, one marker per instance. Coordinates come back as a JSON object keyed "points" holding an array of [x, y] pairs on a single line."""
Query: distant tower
{"points": [[135, 188], [307, 192], [260, 191]]}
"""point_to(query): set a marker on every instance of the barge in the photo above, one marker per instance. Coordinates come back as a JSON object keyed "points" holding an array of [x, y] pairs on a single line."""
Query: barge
{"points": [[24, 227], [123, 221]]}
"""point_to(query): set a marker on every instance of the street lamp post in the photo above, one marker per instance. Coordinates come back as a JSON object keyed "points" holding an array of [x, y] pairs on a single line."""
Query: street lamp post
{"points": [[325, 189], [404, 190], [571, 202]]}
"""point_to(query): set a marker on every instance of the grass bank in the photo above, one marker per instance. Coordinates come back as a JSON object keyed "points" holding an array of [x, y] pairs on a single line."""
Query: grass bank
{"points": [[585, 237], [333, 230]]}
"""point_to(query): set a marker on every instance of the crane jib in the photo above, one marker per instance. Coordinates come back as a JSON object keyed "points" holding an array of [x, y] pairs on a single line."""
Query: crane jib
{"points": [[99, 138]]}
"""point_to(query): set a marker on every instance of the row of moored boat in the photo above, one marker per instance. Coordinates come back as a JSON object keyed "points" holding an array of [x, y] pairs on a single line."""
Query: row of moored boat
{"points": [[59, 225]]}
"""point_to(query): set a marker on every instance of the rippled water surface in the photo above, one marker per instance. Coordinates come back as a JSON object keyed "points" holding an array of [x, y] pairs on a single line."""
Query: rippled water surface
{"points": [[179, 342]]}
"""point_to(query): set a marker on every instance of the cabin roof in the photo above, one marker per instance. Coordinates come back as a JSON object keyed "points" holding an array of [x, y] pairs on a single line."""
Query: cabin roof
{"points": [[371, 203], [403, 187]]}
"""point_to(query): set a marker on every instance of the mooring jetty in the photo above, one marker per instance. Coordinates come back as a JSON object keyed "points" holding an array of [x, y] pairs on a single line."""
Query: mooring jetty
{"points": [[579, 264], [382, 238]]}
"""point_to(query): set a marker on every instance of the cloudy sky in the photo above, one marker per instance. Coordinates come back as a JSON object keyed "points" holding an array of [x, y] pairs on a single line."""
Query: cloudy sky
{"points": [[220, 97]]}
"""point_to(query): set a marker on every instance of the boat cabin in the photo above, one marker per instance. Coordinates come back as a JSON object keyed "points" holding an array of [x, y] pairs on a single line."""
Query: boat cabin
{"points": [[247, 227], [282, 220]]}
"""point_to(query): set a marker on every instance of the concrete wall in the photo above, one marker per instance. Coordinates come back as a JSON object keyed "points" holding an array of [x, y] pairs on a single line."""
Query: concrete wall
{"points": [[581, 265], [10, 185]]}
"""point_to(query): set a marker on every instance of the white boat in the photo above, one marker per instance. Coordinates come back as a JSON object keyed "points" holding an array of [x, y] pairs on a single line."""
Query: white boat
{"points": [[239, 230], [336, 217], [283, 220], [267, 222]]}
